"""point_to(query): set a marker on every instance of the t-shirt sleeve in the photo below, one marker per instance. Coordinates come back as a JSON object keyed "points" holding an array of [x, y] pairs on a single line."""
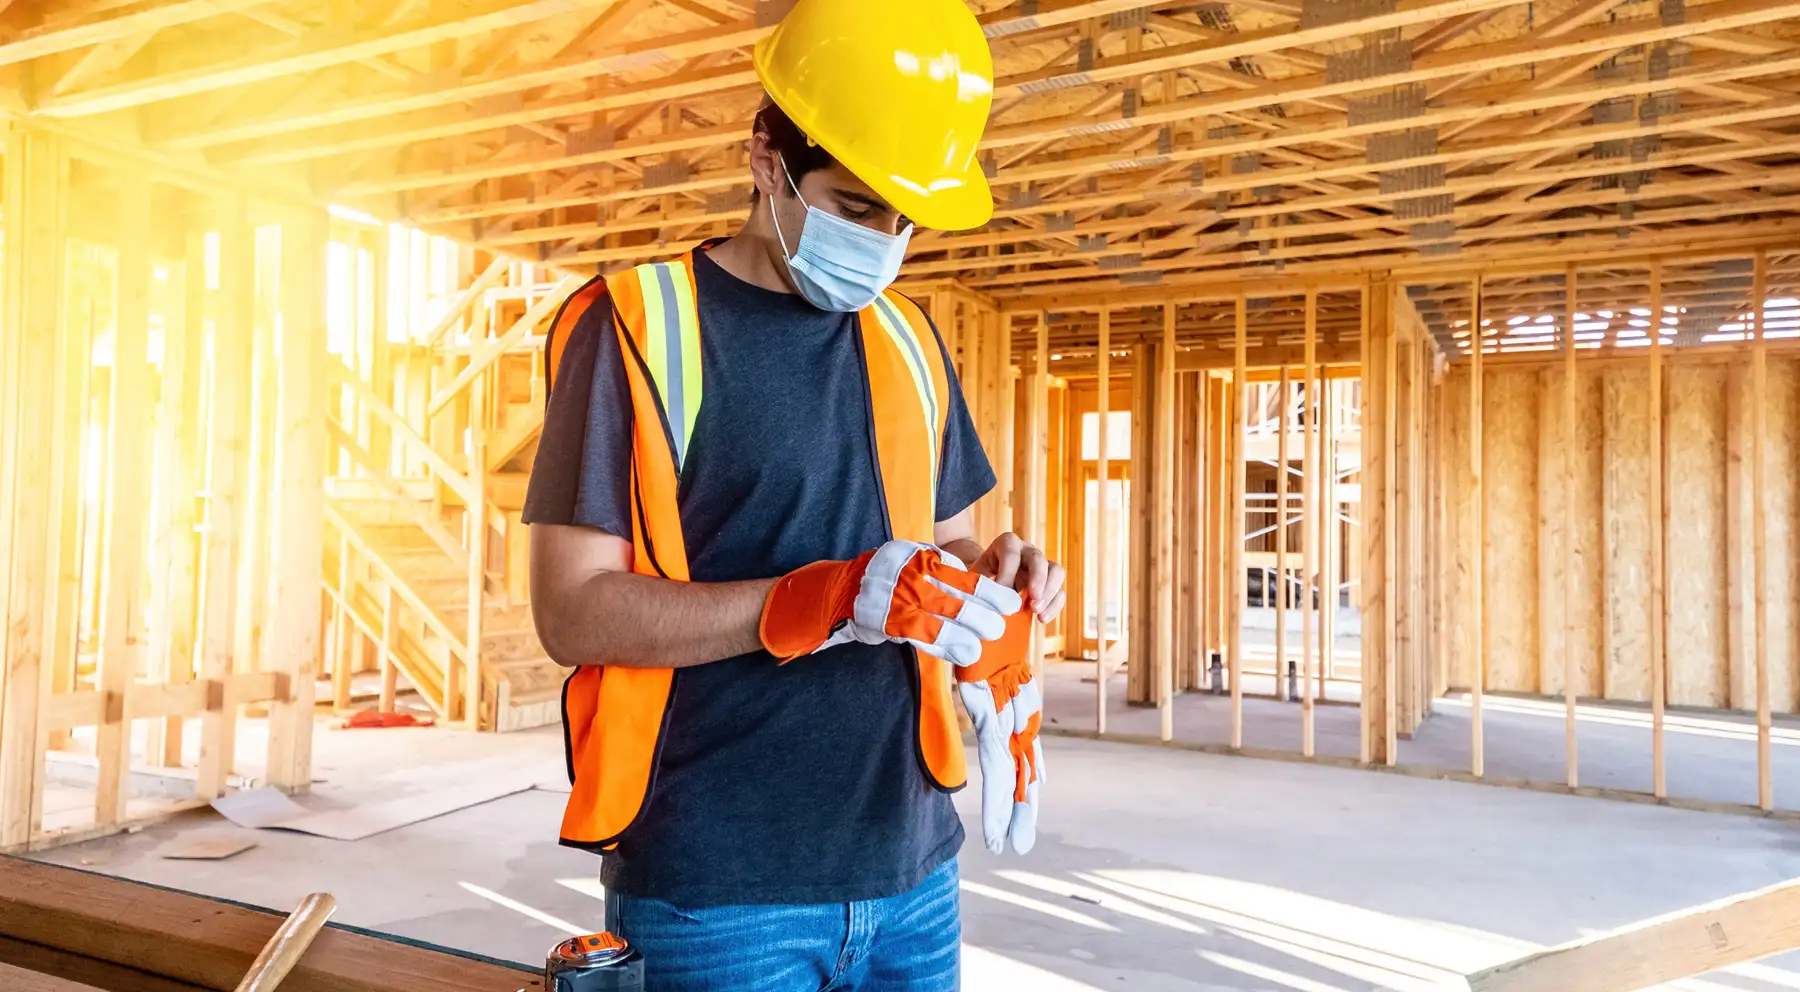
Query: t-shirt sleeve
{"points": [[964, 474], [582, 474]]}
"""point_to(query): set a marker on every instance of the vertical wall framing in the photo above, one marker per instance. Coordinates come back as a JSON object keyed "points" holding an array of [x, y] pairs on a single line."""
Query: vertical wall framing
{"points": [[130, 370]]}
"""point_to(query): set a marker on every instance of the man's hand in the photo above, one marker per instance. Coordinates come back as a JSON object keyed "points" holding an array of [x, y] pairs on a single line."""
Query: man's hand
{"points": [[1017, 565], [902, 591]]}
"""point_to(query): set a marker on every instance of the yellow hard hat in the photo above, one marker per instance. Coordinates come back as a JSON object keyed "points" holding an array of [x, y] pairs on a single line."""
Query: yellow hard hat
{"points": [[897, 91]]}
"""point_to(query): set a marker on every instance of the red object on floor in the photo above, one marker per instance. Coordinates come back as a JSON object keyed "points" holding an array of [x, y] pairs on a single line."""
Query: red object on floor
{"points": [[368, 719]]}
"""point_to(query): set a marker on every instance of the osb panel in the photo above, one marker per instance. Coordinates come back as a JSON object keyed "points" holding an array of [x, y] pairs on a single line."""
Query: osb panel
{"points": [[1459, 506], [1582, 591], [1510, 477], [1783, 476], [1695, 538], [1626, 512]]}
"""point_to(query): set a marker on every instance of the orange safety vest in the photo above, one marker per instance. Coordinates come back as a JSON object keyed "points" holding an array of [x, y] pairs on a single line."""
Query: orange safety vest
{"points": [[615, 718]]}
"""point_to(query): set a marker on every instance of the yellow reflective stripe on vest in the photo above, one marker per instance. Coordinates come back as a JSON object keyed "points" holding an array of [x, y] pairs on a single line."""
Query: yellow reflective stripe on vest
{"points": [[898, 328], [672, 347]]}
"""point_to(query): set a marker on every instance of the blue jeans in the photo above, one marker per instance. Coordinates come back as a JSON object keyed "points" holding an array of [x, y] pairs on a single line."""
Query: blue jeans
{"points": [[909, 942]]}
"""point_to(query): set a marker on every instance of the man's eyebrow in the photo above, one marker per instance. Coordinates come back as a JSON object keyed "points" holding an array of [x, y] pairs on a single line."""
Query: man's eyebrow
{"points": [[864, 199]]}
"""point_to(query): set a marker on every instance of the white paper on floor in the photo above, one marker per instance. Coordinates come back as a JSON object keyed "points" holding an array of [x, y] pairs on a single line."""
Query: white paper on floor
{"points": [[268, 808]]}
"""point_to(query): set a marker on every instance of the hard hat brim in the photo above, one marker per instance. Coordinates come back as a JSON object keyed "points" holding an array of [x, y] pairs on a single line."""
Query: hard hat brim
{"points": [[957, 204]]}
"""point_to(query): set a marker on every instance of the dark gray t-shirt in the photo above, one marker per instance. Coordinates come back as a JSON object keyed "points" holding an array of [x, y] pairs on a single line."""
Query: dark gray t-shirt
{"points": [[797, 783]]}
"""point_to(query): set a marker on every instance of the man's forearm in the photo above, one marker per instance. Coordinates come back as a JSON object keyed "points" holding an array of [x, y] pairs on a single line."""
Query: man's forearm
{"points": [[639, 621]]}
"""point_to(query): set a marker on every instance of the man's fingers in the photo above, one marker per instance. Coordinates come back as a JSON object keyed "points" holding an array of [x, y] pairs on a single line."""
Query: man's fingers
{"points": [[1053, 609], [1005, 552], [1054, 578], [1034, 573]]}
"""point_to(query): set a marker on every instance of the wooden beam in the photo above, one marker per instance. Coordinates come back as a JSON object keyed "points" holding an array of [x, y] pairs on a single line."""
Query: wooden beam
{"points": [[1659, 667], [605, 61], [126, 473], [1103, 469], [1478, 495], [1234, 618], [296, 565], [1164, 522], [1759, 440], [211, 944], [1036, 529], [55, 38], [1312, 521], [233, 343], [1285, 396], [1570, 585], [1238, 45], [310, 54], [36, 184], [1682, 944]]}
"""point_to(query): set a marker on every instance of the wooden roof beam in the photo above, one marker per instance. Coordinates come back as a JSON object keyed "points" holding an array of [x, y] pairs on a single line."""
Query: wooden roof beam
{"points": [[55, 37], [1476, 60], [1668, 215], [307, 56]]}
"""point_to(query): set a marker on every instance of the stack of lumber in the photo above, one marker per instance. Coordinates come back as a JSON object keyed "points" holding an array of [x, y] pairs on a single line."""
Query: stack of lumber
{"points": [[63, 930]]}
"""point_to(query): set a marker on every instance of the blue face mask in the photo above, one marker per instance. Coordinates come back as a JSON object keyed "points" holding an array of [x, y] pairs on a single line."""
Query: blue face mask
{"points": [[840, 265]]}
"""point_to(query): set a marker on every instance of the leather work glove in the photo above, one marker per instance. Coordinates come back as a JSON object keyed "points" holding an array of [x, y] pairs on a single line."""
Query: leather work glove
{"points": [[902, 591], [1006, 705]]}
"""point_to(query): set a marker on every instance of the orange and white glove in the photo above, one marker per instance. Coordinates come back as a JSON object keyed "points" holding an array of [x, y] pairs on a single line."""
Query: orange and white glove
{"points": [[902, 591], [1006, 706]]}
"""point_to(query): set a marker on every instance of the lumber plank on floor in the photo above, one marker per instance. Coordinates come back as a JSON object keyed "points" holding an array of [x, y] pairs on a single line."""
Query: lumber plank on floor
{"points": [[1679, 945], [19, 980], [210, 944]]}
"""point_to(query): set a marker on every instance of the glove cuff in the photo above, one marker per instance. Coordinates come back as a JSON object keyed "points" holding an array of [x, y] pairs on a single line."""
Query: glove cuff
{"points": [[804, 606]]}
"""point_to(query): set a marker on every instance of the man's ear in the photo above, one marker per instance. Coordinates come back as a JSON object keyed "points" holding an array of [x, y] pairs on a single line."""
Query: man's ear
{"points": [[765, 166]]}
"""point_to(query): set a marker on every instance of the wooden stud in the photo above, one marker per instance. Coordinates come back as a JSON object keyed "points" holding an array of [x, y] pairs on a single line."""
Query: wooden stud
{"points": [[1570, 584], [1333, 531], [297, 501], [233, 341], [1312, 586], [1036, 458], [390, 638], [1103, 472], [1759, 440], [1659, 524], [1141, 599], [1478, 582], [1164, 587], [343, 640], [1234, 614], [36, 187], [1284, 400], [1389, 530], [475, 531], [127, 445], [1378, 447]]}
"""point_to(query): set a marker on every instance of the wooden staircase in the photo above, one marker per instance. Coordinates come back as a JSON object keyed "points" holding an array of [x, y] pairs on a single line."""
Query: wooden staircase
{"points": [[411, 528]]}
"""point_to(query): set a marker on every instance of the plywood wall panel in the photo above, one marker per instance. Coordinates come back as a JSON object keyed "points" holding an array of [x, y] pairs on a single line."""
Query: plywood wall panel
{"points": [[1782, 469], [1626, 524], [1574, 595], [1696, 455], [1459, 505], [1510, 475]]}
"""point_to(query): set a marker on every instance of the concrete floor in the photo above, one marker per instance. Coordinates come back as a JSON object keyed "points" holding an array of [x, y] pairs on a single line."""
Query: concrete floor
{"points": [[1155, 869]]}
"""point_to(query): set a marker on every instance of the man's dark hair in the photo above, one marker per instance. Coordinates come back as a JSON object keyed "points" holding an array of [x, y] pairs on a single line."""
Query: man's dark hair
{"points": [[789, 142]]}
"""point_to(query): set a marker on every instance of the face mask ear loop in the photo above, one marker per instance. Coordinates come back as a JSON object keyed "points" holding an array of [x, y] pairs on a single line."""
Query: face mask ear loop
{"points": [[781, 238]]}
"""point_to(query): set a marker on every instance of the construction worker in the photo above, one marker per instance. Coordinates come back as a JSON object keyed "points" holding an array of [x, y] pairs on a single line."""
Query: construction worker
{"points": [[751, 538]]}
